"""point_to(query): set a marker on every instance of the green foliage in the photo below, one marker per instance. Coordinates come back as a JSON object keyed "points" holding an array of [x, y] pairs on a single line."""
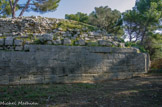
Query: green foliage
{"points": [[141, 23], [74, 25], [80, 17], [108, 19], [42, 6], [5, 9], [91, 43], [154, 45], [144, 5], [136, 45], [145, 18], [8, 7]]}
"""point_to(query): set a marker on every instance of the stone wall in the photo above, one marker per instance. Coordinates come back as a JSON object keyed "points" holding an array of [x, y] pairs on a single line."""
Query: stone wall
{"points": [[51, 31], [70, 64]]}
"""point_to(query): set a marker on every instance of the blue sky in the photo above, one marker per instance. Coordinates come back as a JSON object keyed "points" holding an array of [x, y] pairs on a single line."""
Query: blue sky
{"points": [[85, 6]]}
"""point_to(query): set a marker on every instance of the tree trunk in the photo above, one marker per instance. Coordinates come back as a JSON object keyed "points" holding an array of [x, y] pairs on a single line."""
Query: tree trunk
{"points": [[24, 9], [10, 2], [13, 7], [143, 35]]}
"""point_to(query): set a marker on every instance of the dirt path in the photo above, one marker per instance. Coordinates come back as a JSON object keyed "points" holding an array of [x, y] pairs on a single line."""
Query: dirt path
{"points": [[137, 92]]}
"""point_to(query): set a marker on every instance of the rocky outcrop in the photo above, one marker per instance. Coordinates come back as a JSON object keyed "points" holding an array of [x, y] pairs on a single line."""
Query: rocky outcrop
{"points": [[50, 31]]}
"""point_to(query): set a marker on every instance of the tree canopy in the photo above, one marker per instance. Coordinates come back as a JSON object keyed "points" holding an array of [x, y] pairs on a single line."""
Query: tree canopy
{"points": [[143, 19], [8, 7], [5, 9], [108, 19], [81, 17], [142, 23]]}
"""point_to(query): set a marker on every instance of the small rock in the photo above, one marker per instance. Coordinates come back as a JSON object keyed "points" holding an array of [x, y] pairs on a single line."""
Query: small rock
{"points": [[87, 39], [102, 42], [81, 42], [57, 42], [47, 37], [115, 43], [49, 42], [109, 44], [122, 45], [60, 29], [67, 41]]}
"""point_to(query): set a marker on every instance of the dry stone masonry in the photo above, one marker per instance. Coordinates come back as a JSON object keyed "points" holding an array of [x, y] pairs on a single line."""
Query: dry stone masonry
{"points": [[47, 50], [15, 33]]}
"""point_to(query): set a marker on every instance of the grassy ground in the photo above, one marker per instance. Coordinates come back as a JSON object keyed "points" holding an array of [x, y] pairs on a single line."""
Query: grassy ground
{"points": [[137, 92]]}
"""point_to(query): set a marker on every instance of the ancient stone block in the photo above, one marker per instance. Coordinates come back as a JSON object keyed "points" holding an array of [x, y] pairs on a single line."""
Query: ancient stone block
{"points": [[26, 47], [9, 41], [18, 42], [81, 42], [57, 42], [1, 42], [18, 48], [47, 37], [102, 42], [67, 41], [49, 42]]}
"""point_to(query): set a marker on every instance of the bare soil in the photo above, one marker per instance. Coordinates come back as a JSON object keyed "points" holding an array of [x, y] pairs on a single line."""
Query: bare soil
{"points": [[143, 91]]}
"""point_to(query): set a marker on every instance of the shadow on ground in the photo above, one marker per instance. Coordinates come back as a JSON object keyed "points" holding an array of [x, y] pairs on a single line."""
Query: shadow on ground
{"points": [[137, 92]]}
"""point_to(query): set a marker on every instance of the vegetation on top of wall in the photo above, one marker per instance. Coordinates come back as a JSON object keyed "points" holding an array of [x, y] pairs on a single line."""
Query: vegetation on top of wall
{"points": [[66, 24], [136, 45]]}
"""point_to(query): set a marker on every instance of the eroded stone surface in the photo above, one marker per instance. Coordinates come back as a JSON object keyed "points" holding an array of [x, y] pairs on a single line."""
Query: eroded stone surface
{"points": [[69, 64]]}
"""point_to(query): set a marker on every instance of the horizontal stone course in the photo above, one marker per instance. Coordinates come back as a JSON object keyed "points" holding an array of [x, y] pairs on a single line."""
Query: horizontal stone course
{"points": [[69, 64]]}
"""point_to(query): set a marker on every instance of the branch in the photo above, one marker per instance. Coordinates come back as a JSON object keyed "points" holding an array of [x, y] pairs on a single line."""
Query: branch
{"points": [[15, 3], [26, 6], [11, 4]]}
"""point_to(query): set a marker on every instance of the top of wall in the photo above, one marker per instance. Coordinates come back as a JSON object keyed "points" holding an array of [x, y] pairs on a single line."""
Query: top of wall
{"points": [[51, 31], [37, 24]]}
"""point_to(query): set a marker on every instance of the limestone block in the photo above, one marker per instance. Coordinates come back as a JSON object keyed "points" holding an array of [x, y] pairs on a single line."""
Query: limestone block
{"points": [[94, 34], [49, 42], [18, 48], [85, 35], [69, 35], [1, 42], [108, 44], [81, 42], [122, 45], [11, 48], [26, 47], [60, 29], [75, 35], [18, 42], [87, 39], [115, 43], [47, 37], [66, 41], [73, 38], [9, 41], [57, 42], [102, 42]]}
